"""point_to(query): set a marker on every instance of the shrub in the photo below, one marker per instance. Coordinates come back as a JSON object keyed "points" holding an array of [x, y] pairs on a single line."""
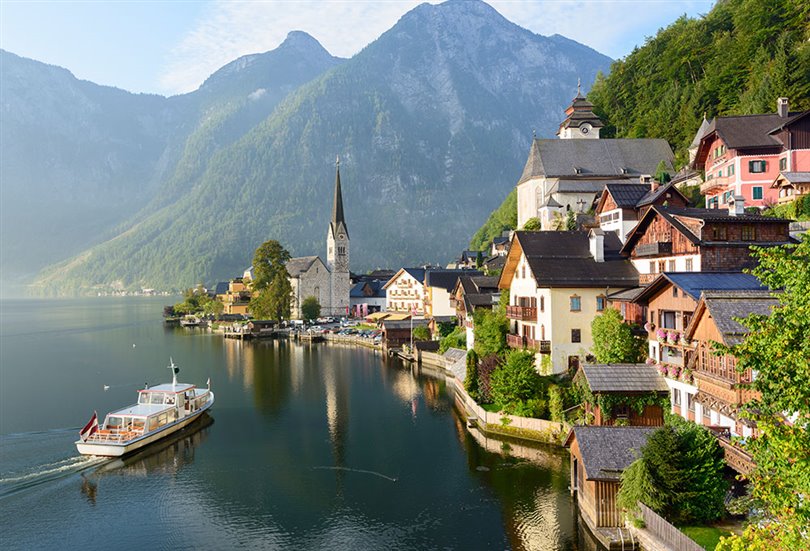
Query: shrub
{"points": [[421, 333], [614, 341], [485, 369], [456, 339], [516, 380], [471, 379]]}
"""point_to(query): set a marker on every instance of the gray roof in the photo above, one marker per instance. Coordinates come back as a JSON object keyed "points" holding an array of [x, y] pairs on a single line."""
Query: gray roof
{"points": [[745, 131], [624, 378], [704, 128], [726, 307], [403, 324], [478, 290], [694, 283], [607, 451], [446, 279], [626, 295], [603, 157], [563, 259], [338, 221], [797, 177], [297, 266], [626, 195], [221, 288]]}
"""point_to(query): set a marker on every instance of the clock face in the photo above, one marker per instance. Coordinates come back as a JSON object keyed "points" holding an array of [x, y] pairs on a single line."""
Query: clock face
{"points": [[341, 236], [585, 128]]}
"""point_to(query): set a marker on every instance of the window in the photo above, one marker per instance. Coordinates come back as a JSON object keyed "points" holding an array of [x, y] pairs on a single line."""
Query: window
{"points": [[662, 266], [690, 400], [523, 272], [756, 166], [757, 192], [783, 164], [707, 415], [676, 396], [576, 335], [719, 233], [731, 170], [749, 232], [672, 265], [688, 264], [652, 267], [542, 303], [621, 411], [600, 304], [674, 291], [576, 304]]}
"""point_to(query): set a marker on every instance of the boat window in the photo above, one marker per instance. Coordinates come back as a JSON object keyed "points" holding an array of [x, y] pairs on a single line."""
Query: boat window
{"points": [[157, 398], [143, 398], [153, 423], [138, 424], [162, 418], [172, 415], [114, 422], [170, 399]]}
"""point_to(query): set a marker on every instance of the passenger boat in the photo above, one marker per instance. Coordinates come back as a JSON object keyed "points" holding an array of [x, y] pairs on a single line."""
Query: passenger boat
{"points": [[161, 410]]}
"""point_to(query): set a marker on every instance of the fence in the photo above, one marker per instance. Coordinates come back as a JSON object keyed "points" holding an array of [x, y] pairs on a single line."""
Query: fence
{"points": [[665, 532]]}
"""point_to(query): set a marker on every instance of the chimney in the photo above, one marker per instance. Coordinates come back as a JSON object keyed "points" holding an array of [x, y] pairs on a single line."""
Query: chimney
{"points": [[736, 205], [782, 107], [648, 180], [596, 238]]}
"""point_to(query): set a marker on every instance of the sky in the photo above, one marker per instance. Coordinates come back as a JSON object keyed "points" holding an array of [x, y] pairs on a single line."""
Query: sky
{"points": [[171, 46]]}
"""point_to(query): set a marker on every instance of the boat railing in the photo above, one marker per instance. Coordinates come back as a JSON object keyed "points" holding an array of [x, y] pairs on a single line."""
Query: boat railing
{"points": [[115, 435]]}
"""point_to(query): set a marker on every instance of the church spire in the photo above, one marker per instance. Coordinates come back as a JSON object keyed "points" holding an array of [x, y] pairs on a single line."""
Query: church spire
{"points": [[337, 207]]}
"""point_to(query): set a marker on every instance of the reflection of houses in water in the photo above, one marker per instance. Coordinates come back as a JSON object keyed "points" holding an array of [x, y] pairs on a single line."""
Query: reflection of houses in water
{"points": [[239, 361], [336, 388]]}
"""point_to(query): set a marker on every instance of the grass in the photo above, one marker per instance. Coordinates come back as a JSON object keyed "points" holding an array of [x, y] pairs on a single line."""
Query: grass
{"points": [[705, 536], [492, 408]]}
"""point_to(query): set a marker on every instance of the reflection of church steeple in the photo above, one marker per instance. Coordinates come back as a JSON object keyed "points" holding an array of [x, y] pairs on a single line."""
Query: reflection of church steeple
{"points": [[337, 414]]}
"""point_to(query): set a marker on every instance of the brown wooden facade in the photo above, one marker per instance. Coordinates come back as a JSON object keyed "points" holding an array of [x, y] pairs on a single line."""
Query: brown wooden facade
{"points": [[596, 498], [651, 416]]}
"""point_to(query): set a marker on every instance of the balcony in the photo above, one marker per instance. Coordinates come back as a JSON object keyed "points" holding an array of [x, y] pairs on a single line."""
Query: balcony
{"points": [[653, 249], [646, 279], [544, 347], [515, 341], [521, 313], [713, 185], [736, 457]]}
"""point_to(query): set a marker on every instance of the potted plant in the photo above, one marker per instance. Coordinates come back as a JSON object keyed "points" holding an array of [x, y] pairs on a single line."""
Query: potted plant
{"points": [[672, 337], [661, 334]]}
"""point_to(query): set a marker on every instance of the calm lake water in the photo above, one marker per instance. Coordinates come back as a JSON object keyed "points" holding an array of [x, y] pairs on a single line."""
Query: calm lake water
{"points": [[307, 447]]}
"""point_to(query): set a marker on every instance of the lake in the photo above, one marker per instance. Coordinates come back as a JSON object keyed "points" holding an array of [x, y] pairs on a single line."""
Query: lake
{"points": [[307, 446]]}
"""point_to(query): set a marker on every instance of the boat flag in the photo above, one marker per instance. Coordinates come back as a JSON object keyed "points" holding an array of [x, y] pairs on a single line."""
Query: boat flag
{"points": [[90, 428]]}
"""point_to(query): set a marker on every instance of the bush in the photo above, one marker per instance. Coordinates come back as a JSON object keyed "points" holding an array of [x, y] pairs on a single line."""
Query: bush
{"points": [[456, 339], [556, 403], [421, 333], [614, 341], [471, 379], [310, 308], [516, 380], [486, 368]]}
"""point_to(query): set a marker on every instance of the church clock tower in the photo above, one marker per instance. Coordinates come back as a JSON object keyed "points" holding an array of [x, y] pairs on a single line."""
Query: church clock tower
{"points": [[337, 253]]}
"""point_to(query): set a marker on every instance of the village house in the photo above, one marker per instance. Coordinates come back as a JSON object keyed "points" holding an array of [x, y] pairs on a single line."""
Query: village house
{"points": [[722, 389], [439, 286], [743, 155], [791, 186], [558, 282], [405, 292], [367, 296], [500, 244], [599, 455], [469, 294], [234, 295], [621, 205], [671, 239], [567, 174], [633, 392], [397, 332]]}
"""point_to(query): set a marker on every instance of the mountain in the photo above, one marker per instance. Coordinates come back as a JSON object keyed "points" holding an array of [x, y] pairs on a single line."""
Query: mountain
{"points": [[736, 60], [431, 122]]}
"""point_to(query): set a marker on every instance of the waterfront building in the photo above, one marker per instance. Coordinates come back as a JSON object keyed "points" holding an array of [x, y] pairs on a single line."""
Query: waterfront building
{"points": [[367, 297], [438, 285], [622, 385], [743, 155], [567, 174], [309, 277], [405, 292], [234, 295], [599, 455], [469, 294], [558, 282]]}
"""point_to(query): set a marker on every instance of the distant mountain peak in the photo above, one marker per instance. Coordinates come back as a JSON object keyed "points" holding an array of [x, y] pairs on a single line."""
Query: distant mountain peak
{"points": [[302, 41]]}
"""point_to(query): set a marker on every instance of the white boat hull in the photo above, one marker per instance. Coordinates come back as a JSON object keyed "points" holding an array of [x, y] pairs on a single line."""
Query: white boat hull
{"points": [[117, 449]]}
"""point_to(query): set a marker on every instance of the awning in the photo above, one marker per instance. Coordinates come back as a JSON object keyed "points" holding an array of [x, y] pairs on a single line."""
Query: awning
{"points": [[377, 316], [398, 317]]}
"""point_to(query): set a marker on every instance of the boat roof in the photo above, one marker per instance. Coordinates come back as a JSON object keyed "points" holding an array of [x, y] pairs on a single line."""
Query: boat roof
{"points": [[141, 410], [168, 387]]}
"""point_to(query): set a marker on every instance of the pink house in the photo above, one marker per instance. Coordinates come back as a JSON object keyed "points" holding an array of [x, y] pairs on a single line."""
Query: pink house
{"points": [[743, 155]]}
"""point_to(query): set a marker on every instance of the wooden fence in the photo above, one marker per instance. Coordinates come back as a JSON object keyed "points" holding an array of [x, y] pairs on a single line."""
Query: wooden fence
{"points": [[665, 532]]}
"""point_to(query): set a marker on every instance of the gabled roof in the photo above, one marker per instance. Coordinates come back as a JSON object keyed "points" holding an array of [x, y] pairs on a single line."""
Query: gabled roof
{"points": [[368, 289], [221, 288], [704, 128], [726, 307], [607, 451], [297, 266], [446, 279], [582, 159], [623, 378], [674, 215], [478, 291], [694, 283], [417, 273], [563, 259], [792, 178], [745, 131], [665, 190], [635, 196]]}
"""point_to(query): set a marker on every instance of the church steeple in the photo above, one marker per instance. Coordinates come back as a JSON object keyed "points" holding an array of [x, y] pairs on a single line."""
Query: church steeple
{"points": [[337, 206], [581, 121]]}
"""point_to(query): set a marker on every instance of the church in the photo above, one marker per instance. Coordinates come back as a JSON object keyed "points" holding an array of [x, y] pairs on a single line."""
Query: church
{"points": [[328, 282], [568, 173]]}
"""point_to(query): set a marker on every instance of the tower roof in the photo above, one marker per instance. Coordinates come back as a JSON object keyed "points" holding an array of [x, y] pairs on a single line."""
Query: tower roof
{"points": [[337, 207]]}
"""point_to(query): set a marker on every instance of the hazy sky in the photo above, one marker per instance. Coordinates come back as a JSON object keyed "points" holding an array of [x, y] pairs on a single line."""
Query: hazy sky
{"points": [[171, 46]]}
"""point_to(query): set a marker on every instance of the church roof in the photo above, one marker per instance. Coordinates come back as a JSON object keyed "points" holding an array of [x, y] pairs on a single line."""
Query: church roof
{"points": [[297, 266], [338, 219], [583, 159]]}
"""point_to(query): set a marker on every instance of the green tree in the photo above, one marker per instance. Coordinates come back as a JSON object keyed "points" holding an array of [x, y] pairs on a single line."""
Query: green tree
{"points": [[456, 339], [310, 308], [777, 348], [421, 333], [516, 381], [471, 378], [490, 331], [614, 341], [532, 224], [662, 172], [272, 291], [680, 475]]}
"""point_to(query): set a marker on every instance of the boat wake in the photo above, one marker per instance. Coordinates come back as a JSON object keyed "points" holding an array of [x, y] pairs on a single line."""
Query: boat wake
{"points": [[18, 475], [375, 473]]}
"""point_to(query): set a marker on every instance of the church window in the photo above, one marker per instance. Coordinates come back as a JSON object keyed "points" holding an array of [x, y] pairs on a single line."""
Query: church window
{"points": [[341, 249]]}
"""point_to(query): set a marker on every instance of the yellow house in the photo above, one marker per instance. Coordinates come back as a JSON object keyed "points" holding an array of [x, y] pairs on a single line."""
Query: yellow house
{"points": [[236, 297], [558, 283]]}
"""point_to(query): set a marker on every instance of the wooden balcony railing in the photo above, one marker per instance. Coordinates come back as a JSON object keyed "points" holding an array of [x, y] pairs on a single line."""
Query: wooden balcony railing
{"points": [[515, 341], [653, 249], [544, 347], [713, 184], [522, 313]]}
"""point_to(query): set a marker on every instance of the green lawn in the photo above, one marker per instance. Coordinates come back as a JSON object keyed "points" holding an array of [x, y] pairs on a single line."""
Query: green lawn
{"points": [[706, 536]]}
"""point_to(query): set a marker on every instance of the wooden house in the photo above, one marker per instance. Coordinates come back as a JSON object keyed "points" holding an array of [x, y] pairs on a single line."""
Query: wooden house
{"points": [[398, 332], [621, 205], [470, 294], [599, 455], [622, 385]]}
